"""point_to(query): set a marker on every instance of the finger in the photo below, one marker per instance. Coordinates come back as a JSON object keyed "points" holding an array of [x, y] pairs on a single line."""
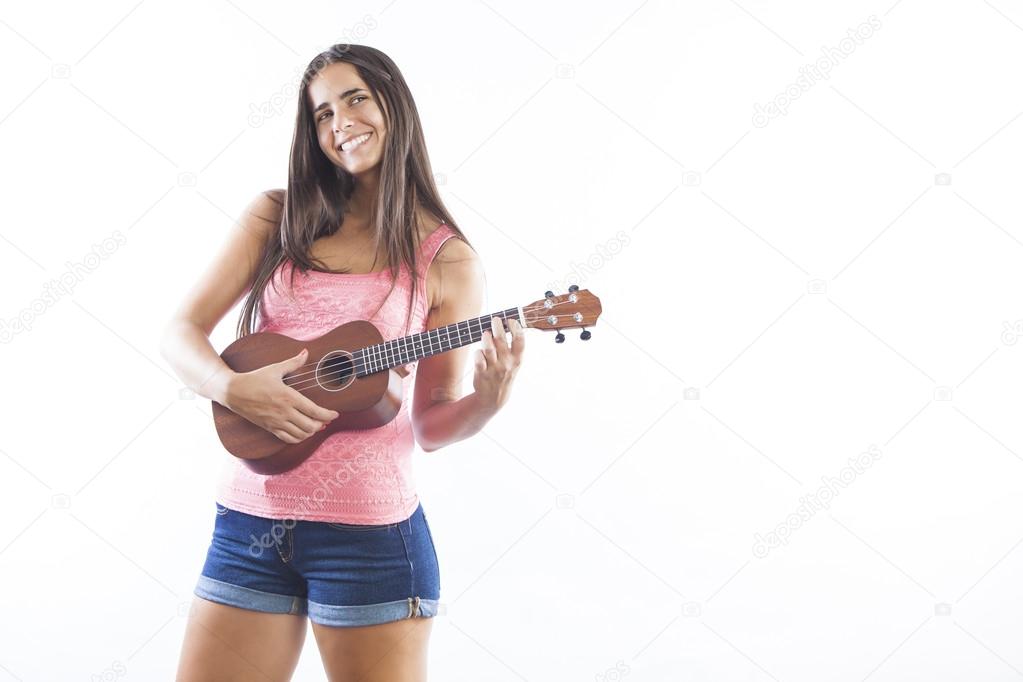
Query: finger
{"points": [[314, 411], [480, 360], [500, 339], [518, 343], [489, 349], [293, 431], [306, 425], [284, 436], [294, 362]]}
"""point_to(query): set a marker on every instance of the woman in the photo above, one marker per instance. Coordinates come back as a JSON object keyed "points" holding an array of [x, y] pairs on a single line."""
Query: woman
{"points": [[340, 539]]}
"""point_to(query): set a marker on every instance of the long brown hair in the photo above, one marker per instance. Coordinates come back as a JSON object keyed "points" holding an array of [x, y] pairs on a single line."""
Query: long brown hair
{"points": [[316, 199]]}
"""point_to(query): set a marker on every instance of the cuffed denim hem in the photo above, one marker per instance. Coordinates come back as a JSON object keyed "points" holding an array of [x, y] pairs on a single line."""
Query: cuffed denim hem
{"points": [[246, 598], [372, 614]]}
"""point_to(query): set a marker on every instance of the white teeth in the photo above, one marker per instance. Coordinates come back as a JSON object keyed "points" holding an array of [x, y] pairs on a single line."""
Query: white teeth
{"points": [[352, 144]]}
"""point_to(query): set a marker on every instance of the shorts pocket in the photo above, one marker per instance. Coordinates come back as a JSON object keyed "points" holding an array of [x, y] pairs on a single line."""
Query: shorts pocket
{"points": [[221, 509]]}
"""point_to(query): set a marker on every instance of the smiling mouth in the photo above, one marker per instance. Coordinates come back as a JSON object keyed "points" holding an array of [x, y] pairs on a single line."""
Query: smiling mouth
{"points": [[354, 143]]}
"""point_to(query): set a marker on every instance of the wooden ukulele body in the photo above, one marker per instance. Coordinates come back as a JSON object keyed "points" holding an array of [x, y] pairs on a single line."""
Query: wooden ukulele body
{"points": [[364, 402]]}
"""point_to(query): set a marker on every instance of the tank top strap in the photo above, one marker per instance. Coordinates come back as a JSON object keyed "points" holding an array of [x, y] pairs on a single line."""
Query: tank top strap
{"points": [[431, 245]]}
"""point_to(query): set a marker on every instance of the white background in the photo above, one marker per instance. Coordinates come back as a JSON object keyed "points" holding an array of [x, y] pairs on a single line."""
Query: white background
{"points": [[777, 299]]}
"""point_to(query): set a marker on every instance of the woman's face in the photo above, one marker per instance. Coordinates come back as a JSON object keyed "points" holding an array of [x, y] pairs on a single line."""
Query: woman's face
{"points": [[349, 121]]}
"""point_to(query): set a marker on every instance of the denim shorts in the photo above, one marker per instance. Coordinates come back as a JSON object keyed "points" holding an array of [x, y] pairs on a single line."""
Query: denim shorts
{"points": [[337, 574]]}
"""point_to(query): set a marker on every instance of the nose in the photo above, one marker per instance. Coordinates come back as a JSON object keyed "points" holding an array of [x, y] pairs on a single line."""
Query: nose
{"points": [[340, 126]]}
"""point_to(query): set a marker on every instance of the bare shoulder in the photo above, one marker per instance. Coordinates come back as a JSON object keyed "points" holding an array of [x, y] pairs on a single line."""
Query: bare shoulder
{"points": [[231, 272], [456, 267], [455, 251], [456, 271], [268, 205]]}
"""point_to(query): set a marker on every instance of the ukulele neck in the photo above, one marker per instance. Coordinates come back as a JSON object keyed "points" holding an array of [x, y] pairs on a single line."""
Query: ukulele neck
{"points": [[407, 349]]}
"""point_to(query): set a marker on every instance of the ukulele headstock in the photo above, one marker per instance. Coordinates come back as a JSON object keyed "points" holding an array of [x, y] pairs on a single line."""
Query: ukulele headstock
{"points": [[576, 309]]}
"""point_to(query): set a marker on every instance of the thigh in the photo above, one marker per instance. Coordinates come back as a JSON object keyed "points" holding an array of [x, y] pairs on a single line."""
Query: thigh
{"points": [[225, 643], [388, 652]]}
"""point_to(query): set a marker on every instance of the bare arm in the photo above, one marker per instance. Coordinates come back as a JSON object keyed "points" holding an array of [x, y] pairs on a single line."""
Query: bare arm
{"points": [[440, 415], [185, 343]]}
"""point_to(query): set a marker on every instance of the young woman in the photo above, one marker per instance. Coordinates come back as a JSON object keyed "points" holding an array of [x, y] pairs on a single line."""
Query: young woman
{"points": [[359, 233]]}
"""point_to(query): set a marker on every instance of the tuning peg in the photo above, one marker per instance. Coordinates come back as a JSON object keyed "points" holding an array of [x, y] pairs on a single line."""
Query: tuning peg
{"points": [[548, 294], [559, 338], [585, 336], [573, 288]]}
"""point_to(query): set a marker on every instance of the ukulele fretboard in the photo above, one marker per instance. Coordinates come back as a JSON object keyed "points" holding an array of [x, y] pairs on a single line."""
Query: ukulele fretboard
{"points": [[406, 349]]}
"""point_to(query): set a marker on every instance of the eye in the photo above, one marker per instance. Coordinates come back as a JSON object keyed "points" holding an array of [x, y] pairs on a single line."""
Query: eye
{"points": [[360, 97], [322, 115]]}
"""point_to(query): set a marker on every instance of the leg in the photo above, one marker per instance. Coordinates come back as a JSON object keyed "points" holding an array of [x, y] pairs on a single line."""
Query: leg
{"points": [[225, 643], [389, 652]]}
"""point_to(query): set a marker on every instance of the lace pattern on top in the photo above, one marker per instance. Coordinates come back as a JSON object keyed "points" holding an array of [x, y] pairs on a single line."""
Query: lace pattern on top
{"points": [[359, 477]]}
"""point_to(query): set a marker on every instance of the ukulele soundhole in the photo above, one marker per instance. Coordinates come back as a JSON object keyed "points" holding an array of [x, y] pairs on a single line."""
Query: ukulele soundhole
{"points": [[336, 371]]}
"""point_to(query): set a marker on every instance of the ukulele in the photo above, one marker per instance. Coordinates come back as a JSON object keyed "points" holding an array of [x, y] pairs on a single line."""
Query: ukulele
{"points": [[358, 374]]}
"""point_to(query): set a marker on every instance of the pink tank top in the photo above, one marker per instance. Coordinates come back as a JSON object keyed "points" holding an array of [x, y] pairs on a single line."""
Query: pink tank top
{"points": [[358, 477]]}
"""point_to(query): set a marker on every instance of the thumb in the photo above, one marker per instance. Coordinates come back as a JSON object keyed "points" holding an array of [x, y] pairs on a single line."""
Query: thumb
{"points": [[295, 361]]}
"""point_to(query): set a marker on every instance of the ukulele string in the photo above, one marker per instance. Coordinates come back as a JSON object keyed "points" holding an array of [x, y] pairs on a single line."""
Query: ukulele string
{"points": [[311, 381], [364, 364], [303, 383]]}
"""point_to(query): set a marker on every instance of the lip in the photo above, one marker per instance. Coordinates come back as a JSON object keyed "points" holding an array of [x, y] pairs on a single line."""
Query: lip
{"points": [[352, 137]]}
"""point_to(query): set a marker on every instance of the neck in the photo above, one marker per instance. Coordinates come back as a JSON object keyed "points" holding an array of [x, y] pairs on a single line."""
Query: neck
{"points": [[397, 352], [362, 202]]}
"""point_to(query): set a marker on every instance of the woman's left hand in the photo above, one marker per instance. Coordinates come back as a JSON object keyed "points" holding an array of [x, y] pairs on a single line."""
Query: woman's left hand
{"points": [[498, 362]]}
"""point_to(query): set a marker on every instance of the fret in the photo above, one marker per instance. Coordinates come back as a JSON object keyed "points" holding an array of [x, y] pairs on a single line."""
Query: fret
{"points": [[407, 349]]}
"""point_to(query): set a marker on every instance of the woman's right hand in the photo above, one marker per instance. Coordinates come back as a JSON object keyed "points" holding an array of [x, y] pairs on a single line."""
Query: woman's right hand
{"points": [[262, 397]]}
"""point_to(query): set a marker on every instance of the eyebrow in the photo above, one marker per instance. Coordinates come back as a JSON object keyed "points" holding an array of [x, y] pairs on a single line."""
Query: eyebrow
{"points": [[346, 93]]}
